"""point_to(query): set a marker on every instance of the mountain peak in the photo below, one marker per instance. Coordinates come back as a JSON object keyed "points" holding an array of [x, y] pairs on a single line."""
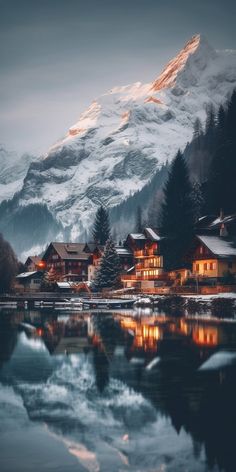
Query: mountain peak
{"points": [[197, 47]]}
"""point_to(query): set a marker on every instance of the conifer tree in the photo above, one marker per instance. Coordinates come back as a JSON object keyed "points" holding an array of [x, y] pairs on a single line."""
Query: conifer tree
{"points": [[197, 199], [108, 273], [221, 126], [197, 129], [177, 215], [210, 129], [221, 188], [101, 229], [138, 225]]}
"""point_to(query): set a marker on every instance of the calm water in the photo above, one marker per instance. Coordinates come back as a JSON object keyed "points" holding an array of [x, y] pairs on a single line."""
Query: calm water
{"points": [[116, 392]]}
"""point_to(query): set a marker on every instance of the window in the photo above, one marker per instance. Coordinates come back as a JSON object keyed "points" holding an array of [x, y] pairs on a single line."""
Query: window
{"points": [[197, 267], [201, 249], [205, 266]]}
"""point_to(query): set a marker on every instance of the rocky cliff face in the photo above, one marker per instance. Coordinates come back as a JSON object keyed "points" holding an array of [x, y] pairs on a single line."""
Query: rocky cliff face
{"points": [[13, 169], [121, 139]]}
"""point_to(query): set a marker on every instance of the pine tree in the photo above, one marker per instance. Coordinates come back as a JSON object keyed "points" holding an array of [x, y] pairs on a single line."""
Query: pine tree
{"points": [[231, 120], [221, 188], [197, 199], [101, 229], [221, 126], [177, 215], [197, 129], [210, 129], [108, 273], [138, 225]]}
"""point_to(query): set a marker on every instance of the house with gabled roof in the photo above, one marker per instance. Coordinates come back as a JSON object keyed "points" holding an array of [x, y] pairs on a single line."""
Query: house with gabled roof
{"points": [[68, 260], [214, 256], [147, 270]]}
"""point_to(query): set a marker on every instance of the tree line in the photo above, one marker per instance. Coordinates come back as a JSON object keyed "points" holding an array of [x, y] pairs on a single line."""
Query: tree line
{"points": [[202, 180]]}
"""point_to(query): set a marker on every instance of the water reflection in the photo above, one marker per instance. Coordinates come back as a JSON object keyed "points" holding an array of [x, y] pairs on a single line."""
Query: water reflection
{"points": [[127, 391]]}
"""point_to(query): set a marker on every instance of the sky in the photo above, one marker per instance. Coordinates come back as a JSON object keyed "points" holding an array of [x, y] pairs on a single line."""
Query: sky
{"points": [[57, 56]]}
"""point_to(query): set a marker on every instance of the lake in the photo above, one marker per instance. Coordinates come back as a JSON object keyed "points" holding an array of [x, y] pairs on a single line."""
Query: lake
{"points": [[122, 391]]}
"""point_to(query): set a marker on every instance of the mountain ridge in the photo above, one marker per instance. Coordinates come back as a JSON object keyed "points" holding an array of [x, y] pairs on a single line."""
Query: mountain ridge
{"points": [[126, 134]]}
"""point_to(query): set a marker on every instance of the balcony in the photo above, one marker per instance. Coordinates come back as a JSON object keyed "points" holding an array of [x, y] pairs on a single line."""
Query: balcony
{"points": [[138, 278], [146, 253]]}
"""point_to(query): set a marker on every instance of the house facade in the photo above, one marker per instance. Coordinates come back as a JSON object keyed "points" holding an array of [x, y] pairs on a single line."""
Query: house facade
{"points": [[214, 257], [28, 281], [69, 261], [147, 271], [33, 263]]}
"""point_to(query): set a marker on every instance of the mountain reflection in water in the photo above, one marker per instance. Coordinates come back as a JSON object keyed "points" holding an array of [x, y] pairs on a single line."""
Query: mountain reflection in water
{"points": [[143, 392]]}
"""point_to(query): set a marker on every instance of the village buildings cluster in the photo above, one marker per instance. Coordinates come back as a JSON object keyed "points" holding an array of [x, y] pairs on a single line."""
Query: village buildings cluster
{"points": [[210, 261]]}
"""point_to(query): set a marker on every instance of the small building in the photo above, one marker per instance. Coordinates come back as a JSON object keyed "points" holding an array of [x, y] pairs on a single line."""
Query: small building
{"points": [[33, 263], [28, 281], [69, 260], [214, 257], [146, 273]]}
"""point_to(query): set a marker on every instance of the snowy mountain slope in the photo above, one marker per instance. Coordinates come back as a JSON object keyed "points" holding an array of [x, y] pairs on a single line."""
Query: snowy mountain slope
{"points": [[13, 169], [121, 139]]}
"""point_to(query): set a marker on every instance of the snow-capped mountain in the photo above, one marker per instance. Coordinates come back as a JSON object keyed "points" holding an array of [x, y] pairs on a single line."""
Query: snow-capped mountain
{"points": [[121, 139], [13, 169]]}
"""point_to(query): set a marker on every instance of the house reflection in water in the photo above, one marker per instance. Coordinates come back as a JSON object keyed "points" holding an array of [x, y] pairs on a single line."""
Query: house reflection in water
{"points": [[145, 334]]}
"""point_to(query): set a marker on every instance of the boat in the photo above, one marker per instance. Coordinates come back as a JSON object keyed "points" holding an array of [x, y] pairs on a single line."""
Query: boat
{"points": [[107, 304]]}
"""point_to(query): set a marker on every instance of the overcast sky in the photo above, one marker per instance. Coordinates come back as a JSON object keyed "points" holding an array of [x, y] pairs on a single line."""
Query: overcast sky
{"points": [[58, 55]]}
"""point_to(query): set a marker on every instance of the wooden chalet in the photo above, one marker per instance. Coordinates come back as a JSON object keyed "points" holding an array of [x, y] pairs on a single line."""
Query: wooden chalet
{"points": [[28, 281], [214, 257], [33, 263], [147, 271], [69, 261]]}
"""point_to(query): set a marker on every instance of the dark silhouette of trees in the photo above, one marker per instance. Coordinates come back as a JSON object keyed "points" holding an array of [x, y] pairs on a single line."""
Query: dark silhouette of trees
{"points": [[8, 265], [138, 225], [101, 229], [177, 217]]}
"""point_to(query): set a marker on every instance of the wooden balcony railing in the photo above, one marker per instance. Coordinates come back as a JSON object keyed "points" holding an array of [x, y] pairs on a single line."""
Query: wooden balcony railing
{"points": [[144, 277], [146, 253]]}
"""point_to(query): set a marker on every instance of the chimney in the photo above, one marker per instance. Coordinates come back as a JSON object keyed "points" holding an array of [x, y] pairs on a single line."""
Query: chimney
{"points": [[223, 231]]}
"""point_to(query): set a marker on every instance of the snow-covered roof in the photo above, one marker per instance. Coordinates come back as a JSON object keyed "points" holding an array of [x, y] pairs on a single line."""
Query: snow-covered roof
{"points": [[123, 251], [226, 219], [64, 284], [137, 236], [69, 251], [25, 275], [221, 247], [130, 269], [152, 234]]}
